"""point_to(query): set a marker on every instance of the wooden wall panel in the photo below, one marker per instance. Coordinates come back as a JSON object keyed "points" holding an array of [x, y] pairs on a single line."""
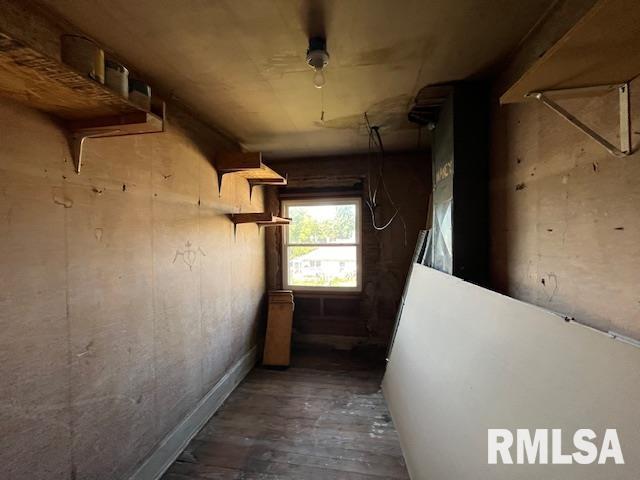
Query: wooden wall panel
{"points": [[246, 303], [176, 288], [34, 355], [177, 309], [111, 324], [565, 230], [216, 299], [124, 295]]}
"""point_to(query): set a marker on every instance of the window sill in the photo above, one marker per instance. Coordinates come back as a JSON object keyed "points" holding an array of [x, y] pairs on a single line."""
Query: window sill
{"points": [[325, 293]]}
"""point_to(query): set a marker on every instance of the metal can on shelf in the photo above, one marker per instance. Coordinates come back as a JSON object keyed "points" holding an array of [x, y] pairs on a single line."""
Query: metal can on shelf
{"points": [[117, 77], [140, 93], [83, 55]]}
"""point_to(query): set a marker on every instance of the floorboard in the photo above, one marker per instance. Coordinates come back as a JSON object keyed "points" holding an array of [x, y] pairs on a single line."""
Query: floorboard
{"points": [[322, 418]]}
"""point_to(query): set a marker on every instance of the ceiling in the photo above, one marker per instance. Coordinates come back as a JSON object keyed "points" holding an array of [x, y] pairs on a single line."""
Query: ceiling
{"points": [[240, 64]]}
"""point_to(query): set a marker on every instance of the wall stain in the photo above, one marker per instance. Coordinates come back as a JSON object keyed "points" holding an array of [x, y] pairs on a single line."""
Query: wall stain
{"points": [[289, 62], [389, 114], [409, 51]]}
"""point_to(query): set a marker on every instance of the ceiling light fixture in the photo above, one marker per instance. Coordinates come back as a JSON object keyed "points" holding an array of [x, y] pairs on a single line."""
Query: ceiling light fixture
{"points": [[318, 58]]}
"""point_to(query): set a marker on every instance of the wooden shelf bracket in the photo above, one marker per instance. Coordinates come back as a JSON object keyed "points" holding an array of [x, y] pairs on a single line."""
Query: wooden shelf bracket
{"points": [[249, 166], [545, 97], [136, 123], [253, 182], [261, 219]]}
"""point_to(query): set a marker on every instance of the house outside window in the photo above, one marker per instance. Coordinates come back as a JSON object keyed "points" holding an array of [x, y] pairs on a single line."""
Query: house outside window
{"points": [[322, 245]]}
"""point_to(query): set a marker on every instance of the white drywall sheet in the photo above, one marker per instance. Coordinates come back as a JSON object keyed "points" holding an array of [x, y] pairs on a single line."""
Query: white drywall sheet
{"points": [[466, 359]]}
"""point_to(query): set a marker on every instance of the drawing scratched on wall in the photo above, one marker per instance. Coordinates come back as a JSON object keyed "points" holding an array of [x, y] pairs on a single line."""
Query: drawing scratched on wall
{"points": [[189, 254]]}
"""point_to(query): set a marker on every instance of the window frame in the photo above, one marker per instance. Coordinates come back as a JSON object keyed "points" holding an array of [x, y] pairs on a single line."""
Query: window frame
{"points": [[284, 205]]}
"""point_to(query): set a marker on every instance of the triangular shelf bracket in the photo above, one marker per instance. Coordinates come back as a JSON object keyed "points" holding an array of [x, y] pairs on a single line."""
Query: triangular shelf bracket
{"points": [[545, 97], [139, 122], [77, 141]]}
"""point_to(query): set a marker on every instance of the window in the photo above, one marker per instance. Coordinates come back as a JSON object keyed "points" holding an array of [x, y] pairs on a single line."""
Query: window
{"points": [[322, 244]]}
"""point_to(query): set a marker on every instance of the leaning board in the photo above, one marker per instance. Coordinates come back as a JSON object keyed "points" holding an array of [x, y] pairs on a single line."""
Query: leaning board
{"points": [[466, 359]]}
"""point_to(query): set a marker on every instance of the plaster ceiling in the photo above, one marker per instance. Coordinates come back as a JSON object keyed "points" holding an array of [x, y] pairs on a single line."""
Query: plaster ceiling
{"points": [[240, 64]]}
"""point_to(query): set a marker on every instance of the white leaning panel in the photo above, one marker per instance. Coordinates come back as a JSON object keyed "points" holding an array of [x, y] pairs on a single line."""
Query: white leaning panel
{"points": [[466, 359]]}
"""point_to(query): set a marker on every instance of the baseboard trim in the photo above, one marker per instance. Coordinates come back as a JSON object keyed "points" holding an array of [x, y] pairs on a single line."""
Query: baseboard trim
{"points": [[177, 440]]}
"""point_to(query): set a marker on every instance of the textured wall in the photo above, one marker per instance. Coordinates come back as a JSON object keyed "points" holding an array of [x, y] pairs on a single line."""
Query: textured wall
{"points": [[124, 296], [371, 313], [565, 229]]}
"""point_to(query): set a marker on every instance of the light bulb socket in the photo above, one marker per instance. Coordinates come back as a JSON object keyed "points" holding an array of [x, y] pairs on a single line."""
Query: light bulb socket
{"points": [[317, 55]]}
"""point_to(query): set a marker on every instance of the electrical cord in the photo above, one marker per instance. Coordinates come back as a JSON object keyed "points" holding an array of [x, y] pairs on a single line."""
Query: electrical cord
{"points": [[376, 138]]}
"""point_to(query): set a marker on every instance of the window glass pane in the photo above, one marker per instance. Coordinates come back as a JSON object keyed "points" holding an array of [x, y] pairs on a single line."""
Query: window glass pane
{"points": [[323, 266], [322, 223]]}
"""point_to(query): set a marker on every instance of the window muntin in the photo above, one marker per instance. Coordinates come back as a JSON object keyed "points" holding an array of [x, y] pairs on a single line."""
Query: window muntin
{"points": [[322, 244]]}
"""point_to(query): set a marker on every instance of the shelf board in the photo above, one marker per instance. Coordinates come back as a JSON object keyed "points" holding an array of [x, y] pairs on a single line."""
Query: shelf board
{"points": [[134, 123], [262, 173], [237, 161], [247, 165], [601, 49], [47, 84], [87, 108], [263, 219], [267, 181]]}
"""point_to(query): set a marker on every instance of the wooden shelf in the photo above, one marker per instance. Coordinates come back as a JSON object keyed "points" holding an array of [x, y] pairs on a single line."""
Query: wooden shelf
{"points": [[601, 49], [134, 123], [262, 219], [86, 107], [247, 165]]}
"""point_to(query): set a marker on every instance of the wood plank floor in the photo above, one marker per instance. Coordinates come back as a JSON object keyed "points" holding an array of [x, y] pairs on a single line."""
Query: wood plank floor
{"points": [[323, 418]]}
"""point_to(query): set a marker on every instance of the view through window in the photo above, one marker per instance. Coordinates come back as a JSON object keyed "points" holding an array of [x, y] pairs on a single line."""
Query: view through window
{"points": [[322, 244]]}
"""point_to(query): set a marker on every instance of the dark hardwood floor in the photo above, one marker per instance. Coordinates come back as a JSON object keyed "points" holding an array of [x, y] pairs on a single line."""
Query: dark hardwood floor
{"points": [[323, 418]]}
